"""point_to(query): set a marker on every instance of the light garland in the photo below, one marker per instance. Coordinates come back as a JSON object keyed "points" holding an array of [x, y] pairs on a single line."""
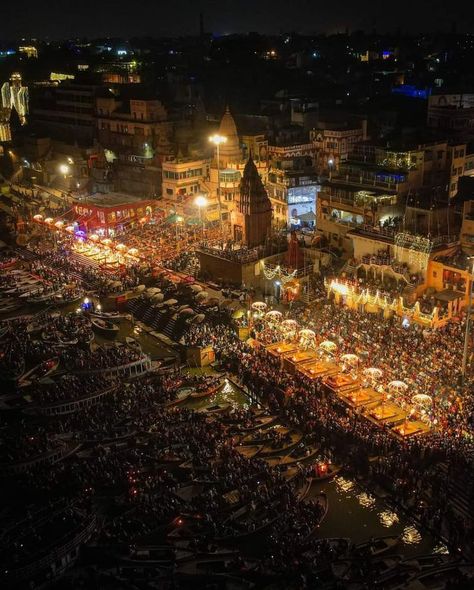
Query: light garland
{"points": [[278, 272], [419, 249]]}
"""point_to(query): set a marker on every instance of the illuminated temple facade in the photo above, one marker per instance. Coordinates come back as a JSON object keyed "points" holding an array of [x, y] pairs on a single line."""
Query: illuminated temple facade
{"points": [[13, 96]]}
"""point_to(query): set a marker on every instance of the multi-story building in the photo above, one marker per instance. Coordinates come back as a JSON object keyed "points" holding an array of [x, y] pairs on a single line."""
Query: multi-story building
{"points": [[135, 135], [65, 112], [335, 141], [292, 182], [451, 111], [372, 186]]}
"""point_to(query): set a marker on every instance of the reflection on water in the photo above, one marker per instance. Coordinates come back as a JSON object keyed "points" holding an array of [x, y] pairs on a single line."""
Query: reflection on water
{"points": [[355, 513], [388, 518], [345, 485], [441, 549], [411, 536], [366, 500]]}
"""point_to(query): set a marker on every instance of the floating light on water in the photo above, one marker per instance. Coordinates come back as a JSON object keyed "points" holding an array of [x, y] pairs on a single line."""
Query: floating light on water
{"points": [[388, 518], [411, 536], [343, 484], [366, 500], [441, 549]]}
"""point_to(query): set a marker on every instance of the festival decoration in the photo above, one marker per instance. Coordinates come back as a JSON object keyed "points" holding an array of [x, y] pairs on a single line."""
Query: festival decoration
{"points": [[307, 339], [328, 346], [350, 359], [373, 373], [289, 329], [397, 386]]}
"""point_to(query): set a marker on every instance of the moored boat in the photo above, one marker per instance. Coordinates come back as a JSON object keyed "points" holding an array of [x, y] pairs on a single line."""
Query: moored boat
{"points": [[105, 328], [133, 343], [110, 316], [207, 392], [39, 371], [249, 451], [378, 546]]}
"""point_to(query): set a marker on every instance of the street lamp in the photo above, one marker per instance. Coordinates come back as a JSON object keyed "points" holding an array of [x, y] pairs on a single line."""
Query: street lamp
{"points": [[217, 139], [200, 201], [64, 169], [330, 164]]}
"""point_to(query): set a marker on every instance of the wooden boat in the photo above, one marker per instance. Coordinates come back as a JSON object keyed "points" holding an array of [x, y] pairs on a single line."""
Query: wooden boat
{"points": [[183, 394], [167, 365], [293, 439], [40, 299], [380, 568], [249, 451], [132, 343], [215, 409], [378, 546], [66, 298], [298, 455], [105, 328], [422, 563], [250, 523], [450, 576], [260, 422], [11, 306], [58, 339], [110, 316], [39, 372], [263, 436], [206, 392], [325, 470]]}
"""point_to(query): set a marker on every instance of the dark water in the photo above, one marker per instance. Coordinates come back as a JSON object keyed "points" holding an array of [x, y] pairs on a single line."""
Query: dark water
{"points": [[355, 513]]}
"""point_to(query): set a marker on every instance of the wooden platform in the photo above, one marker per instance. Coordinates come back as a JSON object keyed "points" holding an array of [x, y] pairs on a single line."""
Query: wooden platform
{"points": [[341, 382], [388, 413], [318, 369], [411, 428], [280, 348], [361, 398], [292, 360]]}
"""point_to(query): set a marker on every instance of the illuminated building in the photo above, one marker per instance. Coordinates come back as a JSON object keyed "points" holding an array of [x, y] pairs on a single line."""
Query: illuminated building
{"points": [[15, 96], [28, 50], [111, 213], [292, 181]]}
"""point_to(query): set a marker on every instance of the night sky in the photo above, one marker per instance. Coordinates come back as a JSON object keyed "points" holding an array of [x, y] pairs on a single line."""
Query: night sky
{"points": [[66, 18]]}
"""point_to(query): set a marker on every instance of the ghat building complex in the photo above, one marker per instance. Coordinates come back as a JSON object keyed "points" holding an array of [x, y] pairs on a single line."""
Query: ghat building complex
{"points": [[379, 200]]}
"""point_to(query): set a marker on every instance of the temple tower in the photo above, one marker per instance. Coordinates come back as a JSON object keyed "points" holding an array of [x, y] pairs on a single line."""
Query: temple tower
{"points": [[253, 218]]}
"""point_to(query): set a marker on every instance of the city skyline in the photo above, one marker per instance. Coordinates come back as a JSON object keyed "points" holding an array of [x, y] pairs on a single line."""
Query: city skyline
{"points": [[57, 20]]}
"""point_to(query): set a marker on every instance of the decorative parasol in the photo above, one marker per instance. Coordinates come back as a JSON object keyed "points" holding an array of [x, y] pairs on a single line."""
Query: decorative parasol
{"points": [[350, 359], [422, 399], [259, 306], [274, 316], [374, 373], [397, 386], [307, 338], [328, 346]]}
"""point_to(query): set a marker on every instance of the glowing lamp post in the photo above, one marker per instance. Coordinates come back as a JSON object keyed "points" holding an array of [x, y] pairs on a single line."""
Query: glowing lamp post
{"points": [[217, 140], [201, 202]]}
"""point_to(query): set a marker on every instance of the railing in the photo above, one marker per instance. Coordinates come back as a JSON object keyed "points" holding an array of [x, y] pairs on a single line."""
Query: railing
{"points": [[56, 553], [71, 405], [136, 368]]}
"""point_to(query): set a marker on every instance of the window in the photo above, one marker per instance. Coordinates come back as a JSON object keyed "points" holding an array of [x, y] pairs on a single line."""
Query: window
{"points": [[169, 191]]}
